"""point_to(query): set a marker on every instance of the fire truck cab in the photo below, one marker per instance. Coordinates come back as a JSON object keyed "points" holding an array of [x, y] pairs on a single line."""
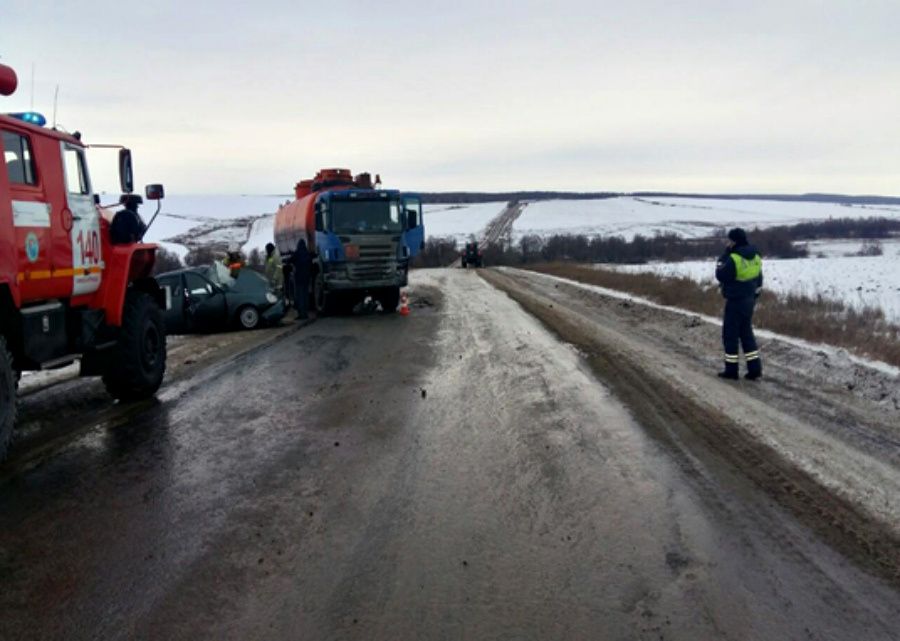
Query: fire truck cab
{"points": [[67, 292]]}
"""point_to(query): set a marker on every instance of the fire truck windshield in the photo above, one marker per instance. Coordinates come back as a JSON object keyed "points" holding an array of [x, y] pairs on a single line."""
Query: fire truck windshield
{"points": [[365, 216]]}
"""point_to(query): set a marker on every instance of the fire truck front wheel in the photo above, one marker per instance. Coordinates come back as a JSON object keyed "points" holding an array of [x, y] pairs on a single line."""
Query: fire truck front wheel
{"points": [[7, 399], [140, 363]]}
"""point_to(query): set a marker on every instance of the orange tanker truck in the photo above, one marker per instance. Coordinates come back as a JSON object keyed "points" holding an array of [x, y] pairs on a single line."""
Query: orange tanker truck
{"points": [[361, 238], [67, 292]]}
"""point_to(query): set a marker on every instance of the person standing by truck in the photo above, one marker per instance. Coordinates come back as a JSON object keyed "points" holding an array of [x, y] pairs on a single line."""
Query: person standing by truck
{"points": [[127, 225], [739, 272], [274, 268], [302, 264]]}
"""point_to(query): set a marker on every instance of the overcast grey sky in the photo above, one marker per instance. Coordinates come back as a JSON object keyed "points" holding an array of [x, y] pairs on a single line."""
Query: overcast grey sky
{"points": [[693, 95]]}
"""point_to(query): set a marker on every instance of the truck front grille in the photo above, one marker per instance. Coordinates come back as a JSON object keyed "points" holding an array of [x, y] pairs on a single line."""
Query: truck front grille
{"points": [[377, 260]]}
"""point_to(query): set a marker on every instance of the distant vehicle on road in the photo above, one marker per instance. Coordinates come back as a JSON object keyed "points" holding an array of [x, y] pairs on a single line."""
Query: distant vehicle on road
{"points": [[208, 299], [471, 255]]}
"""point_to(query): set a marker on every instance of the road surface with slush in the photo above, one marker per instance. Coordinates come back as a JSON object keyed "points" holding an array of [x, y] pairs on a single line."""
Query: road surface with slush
{"points": [[458, 473]]}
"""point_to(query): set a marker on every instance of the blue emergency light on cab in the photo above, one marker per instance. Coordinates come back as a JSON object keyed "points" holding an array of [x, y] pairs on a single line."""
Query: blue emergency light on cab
{"points": [[31, 117]]}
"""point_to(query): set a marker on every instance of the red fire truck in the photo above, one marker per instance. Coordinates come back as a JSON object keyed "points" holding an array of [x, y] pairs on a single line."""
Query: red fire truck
{"points": [[67, 292]]}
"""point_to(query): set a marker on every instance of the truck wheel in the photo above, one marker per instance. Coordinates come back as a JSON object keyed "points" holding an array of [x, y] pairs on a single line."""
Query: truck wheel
{"points": [[323, 300], [140, 361], [7, 400], [389, 299], [248, 317]]}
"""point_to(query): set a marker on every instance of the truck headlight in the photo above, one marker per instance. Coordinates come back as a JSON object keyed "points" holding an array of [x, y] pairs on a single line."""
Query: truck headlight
{"points": [[272, 298]]}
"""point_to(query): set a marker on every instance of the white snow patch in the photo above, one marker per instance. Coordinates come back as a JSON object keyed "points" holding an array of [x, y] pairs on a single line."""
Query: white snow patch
{"points": [[686, 217], [262, 231], [182, 214], [181, 250], [32, 381], [460, 221], [857, 281]]}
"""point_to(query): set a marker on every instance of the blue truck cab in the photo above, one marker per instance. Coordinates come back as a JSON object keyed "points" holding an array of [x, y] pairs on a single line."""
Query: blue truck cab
{"points": [[365, 239]]}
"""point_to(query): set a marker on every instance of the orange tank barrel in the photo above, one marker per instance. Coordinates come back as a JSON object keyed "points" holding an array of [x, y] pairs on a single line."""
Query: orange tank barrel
{"points": [[294, 222], [8, 81]]}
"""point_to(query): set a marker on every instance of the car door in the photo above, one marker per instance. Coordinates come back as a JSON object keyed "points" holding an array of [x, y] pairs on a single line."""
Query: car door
{"points": [[87, 259], [175, 315], [414, 236], [207, 309]]}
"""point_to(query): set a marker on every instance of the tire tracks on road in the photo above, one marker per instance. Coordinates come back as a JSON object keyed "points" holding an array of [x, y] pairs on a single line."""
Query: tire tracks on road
{"points": [[692, 428]]}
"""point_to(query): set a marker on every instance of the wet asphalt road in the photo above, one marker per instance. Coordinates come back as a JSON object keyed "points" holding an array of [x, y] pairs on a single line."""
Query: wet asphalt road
{"points": [[455, 474]]}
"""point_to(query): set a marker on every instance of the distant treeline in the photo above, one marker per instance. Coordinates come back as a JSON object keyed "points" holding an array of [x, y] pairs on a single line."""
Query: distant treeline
{"points": [[773, 242], [468, 197], [465, 197], [844, 228]]}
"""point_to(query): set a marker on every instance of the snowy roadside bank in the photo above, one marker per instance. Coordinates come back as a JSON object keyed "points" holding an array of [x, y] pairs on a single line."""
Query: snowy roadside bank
{"points": [[819, 433], [836, 352]]}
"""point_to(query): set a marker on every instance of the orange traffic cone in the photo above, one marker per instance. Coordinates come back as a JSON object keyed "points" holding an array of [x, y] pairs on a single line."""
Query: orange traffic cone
{"points": [[404, 309]]}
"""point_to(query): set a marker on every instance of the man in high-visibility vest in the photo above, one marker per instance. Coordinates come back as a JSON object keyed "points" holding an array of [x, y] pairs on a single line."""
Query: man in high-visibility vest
{"points": [[739, 272], [274, 268]]}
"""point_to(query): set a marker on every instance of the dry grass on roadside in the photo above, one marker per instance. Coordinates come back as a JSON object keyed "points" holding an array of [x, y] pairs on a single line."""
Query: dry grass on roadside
{"points": [[865, 332]]}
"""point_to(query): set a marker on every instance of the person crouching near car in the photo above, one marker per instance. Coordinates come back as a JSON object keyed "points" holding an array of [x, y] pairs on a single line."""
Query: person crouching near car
{"points": [[739, 272]]}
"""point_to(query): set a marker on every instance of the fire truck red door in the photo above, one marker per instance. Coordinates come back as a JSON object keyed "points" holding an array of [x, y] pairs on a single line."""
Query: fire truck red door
{"points": [[87, 260]]}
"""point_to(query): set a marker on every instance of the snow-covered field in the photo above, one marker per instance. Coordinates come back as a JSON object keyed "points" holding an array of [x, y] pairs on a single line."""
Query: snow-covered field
{"points": [[686, 217], [207, 218], [459, 221], [858, 281], [249, 220]]}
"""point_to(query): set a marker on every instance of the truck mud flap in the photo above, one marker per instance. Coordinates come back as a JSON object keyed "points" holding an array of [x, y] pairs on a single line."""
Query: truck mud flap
{"points": [[98, 360]]}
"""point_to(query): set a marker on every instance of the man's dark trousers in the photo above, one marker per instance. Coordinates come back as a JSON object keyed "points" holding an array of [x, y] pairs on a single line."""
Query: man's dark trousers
{"points": [[301, 292], [737, 330]]}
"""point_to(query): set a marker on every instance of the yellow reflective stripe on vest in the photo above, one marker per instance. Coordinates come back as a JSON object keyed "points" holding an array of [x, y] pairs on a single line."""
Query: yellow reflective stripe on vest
{"points": [[746, 269]]}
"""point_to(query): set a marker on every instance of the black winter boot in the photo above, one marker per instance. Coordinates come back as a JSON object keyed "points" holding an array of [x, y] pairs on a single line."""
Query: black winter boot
{"points": [[754, 369], [730, 372]]}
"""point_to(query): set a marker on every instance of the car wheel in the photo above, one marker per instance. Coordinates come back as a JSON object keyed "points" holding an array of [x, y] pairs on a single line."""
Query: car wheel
{"points": [[248, 317]]}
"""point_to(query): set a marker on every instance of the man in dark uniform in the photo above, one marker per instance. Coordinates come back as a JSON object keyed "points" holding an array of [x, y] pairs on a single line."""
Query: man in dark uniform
{"points": [[739, 272], [302, 264], [127, 226]]}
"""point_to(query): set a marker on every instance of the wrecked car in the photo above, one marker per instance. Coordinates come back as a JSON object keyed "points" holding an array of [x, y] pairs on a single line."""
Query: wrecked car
{"points": [[212, 298]]}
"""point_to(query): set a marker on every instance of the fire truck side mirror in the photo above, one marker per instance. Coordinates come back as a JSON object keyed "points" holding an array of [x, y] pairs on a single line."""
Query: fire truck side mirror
{"points": [[319, 221], [412, 219], [126, 172], [154, 192]]}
